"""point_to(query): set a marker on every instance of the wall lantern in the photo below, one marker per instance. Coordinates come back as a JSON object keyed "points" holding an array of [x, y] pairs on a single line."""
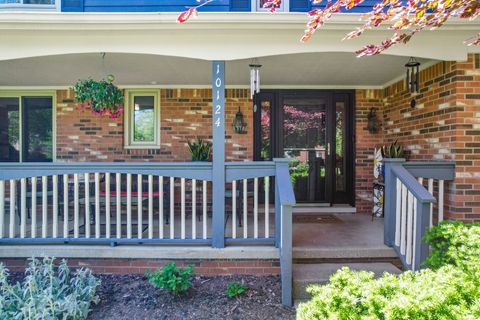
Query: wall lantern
{"points": [[373, 124], [238, 123], [412, 80], [254, 77]]}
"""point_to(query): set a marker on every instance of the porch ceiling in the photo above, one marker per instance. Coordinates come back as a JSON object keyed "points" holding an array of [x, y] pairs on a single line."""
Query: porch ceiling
{"points": [[308, 70]]}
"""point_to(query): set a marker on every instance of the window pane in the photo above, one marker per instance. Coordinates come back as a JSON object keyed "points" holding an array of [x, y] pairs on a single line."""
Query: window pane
{"points": [[265, 127], [144, 119], [37, 129], [9, 130], [47, 2]]}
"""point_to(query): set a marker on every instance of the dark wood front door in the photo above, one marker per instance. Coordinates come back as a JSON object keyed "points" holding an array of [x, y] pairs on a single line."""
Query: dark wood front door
{"points": [[314, 129]]}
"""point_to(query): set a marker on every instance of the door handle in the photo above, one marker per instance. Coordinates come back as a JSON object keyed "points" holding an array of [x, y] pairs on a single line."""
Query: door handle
{"points": [[328, 148]]}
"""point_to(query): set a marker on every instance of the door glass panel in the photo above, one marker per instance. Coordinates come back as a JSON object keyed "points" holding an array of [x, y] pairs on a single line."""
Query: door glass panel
{"points": [[144, 119], [9, 130], [340, 163], [37, 128], [265, 151], [304, 128]]}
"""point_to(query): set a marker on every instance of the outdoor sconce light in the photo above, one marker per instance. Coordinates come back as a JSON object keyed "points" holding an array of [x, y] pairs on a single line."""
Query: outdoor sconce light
{"points": [[238, 123], [373, 124], [412, 80]]}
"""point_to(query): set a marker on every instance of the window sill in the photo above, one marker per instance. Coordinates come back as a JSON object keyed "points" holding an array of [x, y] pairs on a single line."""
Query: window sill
{"points": [[141, 147]]}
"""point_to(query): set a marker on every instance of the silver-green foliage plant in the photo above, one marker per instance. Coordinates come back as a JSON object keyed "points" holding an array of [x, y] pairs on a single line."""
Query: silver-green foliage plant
{"points": [[48, 292], [450, 290]]}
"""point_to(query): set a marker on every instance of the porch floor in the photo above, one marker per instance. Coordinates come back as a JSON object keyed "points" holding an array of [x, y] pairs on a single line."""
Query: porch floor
{"points": [[345, 236]]}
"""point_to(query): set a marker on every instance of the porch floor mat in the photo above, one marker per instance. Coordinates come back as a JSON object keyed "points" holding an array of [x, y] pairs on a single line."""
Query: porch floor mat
{"points": [[324, 218]]}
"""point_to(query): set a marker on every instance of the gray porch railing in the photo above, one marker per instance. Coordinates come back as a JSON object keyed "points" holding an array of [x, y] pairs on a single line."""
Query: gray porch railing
{"points": [[409, 206], [148, 203]]}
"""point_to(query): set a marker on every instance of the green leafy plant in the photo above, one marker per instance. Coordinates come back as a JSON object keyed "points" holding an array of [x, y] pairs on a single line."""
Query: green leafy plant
{"points": [[450, 289], [297, 170], [200, 149], [236, 289], [455, 243], [102, 97], [48, 292], [394, 150], [170, 277]]}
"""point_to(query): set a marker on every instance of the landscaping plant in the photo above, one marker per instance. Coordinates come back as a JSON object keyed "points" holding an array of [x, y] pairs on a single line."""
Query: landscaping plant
{"points": [[236, 289], [394, 150], [200, 149], [450, 290], [173, 279], [47, 292]]}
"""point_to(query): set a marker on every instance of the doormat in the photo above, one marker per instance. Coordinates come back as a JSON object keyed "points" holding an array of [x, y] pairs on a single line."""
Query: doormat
{"points": [[324, 218]]}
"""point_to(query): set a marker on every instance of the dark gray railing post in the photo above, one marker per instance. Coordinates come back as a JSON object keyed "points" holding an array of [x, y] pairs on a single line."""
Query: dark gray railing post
{"points": [[422, 222], [218, 174], [389, 200], [285, 200]]}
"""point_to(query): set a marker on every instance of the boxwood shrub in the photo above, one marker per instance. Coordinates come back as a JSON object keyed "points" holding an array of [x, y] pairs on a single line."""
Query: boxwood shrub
{"points": [[450, 289]]}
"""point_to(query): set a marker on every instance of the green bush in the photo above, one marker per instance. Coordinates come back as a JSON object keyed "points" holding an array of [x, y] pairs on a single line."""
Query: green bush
{"points": [[455, 243], [236, 289], [170, 277], [47, 292], [450, 290]]}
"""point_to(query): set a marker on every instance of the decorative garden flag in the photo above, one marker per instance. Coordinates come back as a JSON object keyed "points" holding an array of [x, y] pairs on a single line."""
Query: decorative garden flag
{"points": [[377, 162]]}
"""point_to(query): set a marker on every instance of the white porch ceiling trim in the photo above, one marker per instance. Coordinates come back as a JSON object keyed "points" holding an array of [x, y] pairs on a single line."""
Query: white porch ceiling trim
{"points": [[211, 36]]}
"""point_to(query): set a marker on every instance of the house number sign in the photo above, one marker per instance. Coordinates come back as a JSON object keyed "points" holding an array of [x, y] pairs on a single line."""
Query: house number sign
{"points": [[218, 95]]}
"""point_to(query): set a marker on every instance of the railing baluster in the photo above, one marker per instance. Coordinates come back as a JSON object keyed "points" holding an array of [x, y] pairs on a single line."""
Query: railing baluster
{"points": [[267, 206], [430, 189], [255, 208], [204, 203], [2, 207], [13, 197], [403, 224], [139, 206], [107, 205], [409, 228], [234, 209], [65, 205], [172, 208], [118, 205], [129, 205], [440, 200], [150, 206], [76, 208], [160, 206], [23, 207], [55, 206], [245, 229], [182, 206], [414, 230], [398, 211], [87, 204], [194, 209], [44, 206], [97, 205]]}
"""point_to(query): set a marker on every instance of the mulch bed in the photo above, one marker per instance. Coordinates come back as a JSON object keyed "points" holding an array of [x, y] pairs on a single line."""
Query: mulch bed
{"points": [[133, 297]]}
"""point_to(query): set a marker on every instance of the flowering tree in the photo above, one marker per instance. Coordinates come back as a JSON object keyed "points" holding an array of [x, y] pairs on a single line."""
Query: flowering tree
{"points": [[406, 18]]}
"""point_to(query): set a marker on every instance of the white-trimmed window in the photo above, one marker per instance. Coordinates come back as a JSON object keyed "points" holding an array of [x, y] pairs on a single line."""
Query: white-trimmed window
{"points": [[142, 119], [27, 126], [30, 4]]}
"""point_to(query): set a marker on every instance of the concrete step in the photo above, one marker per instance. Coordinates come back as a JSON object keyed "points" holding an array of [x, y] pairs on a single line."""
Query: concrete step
{"points": [[305, 274], [344, 252]]}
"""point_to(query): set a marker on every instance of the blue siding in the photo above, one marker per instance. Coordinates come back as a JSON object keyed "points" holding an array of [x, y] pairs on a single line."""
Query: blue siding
{"points": [[306, 5]]}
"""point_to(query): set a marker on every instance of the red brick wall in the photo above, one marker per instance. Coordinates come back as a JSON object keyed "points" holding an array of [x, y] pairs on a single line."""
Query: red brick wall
{"points": [[445, 125], [184, 115], [124, 266]]}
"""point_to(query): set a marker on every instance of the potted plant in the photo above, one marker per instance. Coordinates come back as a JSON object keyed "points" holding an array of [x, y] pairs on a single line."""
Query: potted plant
{"points": [[200, 149], [102, 97], [394, 150]]}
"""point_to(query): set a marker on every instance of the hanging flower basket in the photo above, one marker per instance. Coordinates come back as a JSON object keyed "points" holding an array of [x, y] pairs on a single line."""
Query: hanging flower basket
{"points": [[102, 97]]}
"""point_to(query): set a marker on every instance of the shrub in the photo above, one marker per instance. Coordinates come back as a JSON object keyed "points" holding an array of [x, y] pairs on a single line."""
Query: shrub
{"points": [[455, 243], [47, 292], [236, 289], [450, 290], [170, 277]]}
